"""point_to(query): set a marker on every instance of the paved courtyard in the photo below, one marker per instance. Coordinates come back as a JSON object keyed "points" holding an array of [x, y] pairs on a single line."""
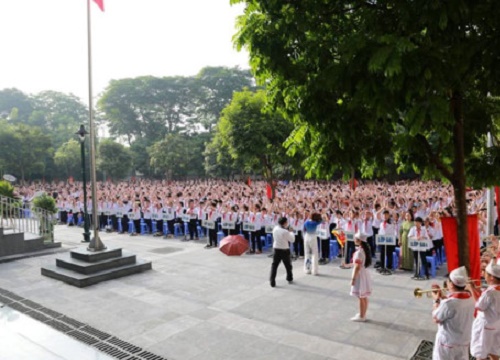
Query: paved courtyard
{"points": [[200, 304]]}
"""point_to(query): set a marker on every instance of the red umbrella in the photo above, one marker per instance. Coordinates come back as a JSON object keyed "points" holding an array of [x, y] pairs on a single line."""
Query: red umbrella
{"points": [[233, 245]]}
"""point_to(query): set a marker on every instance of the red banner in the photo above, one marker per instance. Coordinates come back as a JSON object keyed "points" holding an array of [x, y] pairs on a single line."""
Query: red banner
{"points": [[497, 193], [449, 225], [269, 192]]}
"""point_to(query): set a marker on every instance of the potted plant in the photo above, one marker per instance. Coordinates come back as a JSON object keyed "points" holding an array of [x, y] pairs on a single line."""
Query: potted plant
{"points": [[48, 205]]}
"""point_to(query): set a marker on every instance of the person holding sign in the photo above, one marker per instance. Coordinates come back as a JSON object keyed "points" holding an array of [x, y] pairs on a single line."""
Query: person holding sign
{"points": [[361, 283], [386, 228], [192, 217], [419, 242], [283, 236], [311, 244], [211, 220]]}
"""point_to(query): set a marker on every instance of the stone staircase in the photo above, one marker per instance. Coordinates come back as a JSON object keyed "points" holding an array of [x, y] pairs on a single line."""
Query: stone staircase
{"points": [[14, 242]]}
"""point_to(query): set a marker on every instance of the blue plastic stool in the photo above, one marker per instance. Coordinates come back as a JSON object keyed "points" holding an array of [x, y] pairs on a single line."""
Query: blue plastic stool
{"points": [[186, 229], [70, 219], [27, 213], [395, 261], [220, 236], [131, 227], [200, 231], [334, 249], [269, 240], [155, 228], [144, 228], [165, 228], [177, 229], [431, 260], [120, 227], [264, 243], [443, 255]]}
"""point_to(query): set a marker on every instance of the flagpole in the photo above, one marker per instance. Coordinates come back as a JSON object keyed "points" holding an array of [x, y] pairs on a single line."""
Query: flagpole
{"points": [[95, 243]]}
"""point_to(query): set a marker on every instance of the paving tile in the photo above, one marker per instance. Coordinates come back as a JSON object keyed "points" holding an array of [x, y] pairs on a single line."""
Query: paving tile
{"points": [[198, 304]]}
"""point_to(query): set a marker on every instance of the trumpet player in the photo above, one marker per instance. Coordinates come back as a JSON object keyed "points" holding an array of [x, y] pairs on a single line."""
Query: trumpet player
{"points": [[486, 327], [454, 316]]}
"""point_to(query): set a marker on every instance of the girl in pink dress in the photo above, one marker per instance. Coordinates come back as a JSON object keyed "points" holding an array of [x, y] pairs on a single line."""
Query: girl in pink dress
{"points": [[361, 283]]}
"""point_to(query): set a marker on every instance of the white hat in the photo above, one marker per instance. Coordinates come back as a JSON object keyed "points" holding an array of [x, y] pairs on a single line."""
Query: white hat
{"points": [[459, 276], [493, 268], [360, 236]]}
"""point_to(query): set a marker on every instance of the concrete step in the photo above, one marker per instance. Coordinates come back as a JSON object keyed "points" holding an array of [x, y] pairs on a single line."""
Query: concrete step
{"points": [[94, 256], [84, 267], [83, 280]]}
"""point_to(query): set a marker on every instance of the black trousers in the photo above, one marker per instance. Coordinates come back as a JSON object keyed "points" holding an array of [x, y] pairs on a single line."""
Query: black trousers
{"points": [[171, 226], [374, 248], [386, 251], [298, 245], [256, 240], [192, 229], [212, 237], [423, 261], [325, 249], [279, 256], [159, 226], [124, 221]]}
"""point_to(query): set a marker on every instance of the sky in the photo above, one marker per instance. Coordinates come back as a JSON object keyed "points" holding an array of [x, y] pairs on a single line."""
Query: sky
{"points": [[44, 42]]}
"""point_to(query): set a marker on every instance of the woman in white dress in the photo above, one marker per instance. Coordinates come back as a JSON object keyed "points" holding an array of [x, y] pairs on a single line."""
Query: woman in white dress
{"points": [[361, 283]]}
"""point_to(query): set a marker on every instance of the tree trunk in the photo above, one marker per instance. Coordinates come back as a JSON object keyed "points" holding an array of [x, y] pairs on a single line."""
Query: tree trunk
{"points": [[459, 180]]}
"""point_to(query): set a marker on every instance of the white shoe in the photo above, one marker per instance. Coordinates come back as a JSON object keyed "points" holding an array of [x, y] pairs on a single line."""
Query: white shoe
{"points": [[358, 318]]}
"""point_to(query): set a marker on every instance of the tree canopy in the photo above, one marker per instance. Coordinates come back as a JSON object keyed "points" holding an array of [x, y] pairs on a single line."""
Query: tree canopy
{"points": [[363, 80], [252, 135]]}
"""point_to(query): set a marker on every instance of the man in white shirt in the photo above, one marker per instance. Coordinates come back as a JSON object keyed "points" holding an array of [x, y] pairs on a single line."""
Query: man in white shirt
{"points": [[282, 238]]}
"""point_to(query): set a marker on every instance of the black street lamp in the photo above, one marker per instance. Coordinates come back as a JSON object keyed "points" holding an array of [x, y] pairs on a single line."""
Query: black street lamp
{"points": [[86, 233]]}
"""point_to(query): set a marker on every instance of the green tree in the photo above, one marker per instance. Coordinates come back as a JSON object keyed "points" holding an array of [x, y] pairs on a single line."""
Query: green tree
{"points": [[216, 88], [178, 156], [24, 150], [58, 114], [365, 79], [15, 105], [114, 159], [68, 158], [253, 135], [147, 107]]}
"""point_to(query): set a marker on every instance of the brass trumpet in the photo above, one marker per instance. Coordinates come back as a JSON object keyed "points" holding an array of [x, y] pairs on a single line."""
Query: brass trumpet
{"points": [[418, 293]]}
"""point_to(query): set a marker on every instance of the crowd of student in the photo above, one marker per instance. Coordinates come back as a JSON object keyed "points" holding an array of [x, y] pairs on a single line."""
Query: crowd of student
{"points": [[372, 208], [304, 213]]}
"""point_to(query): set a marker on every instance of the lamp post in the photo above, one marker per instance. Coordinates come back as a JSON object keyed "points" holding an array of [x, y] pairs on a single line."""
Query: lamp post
{"points": [[86, 233]]}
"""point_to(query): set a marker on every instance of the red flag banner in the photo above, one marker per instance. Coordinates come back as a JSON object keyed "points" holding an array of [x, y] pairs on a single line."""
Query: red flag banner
{"points": [[497, 193], [449, 225], [269, 192], [353, 184], [339, 234], [100, 3]]}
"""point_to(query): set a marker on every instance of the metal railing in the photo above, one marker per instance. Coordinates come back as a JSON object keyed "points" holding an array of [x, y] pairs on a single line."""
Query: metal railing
{"points": [[23, 218]]}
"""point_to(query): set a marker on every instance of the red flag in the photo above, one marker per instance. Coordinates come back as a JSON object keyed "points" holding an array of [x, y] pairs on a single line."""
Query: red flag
{"points": [[449, 225], [353, 184], [269, 192], [249, 182], [339, 234], [100, 3], [497, 193]]}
